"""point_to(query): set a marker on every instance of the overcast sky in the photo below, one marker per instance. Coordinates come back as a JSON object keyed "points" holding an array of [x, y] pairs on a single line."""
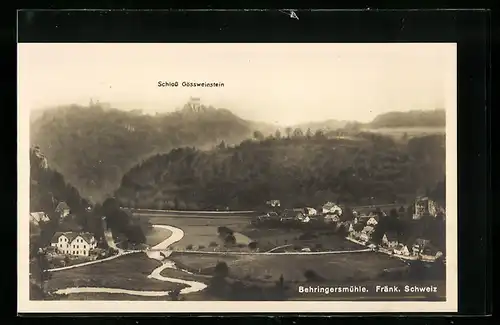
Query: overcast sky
{"points": [[280, 83]]}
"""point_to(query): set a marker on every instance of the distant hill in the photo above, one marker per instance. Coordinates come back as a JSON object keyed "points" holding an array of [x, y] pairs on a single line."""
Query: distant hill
{"points": [[94, 146], [416, 118]]}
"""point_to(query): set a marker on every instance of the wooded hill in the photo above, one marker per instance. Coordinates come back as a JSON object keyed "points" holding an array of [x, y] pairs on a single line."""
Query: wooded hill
{"points": [[48, 188], [94, 146], [364, 168]]}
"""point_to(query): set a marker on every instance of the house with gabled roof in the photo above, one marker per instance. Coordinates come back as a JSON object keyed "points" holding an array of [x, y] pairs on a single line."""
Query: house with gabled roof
{"points": [[330, 207], [390, 239], [401, 249], [37, 217], [74, 243], [63, 209]]}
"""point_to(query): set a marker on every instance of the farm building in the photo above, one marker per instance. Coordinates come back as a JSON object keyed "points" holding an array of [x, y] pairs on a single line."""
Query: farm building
{"points": [[332, 208], [37, 217], [401, 249], [73, 243], [424, 206], [390, 239]]}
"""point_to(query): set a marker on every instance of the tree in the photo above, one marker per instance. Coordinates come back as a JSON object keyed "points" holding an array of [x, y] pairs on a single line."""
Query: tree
{"points": [[174, 294], [319, 134], [277, 134], [221, 270], [309, 133], [288, 131], [297, 133], [222, 145], [258, 135]]}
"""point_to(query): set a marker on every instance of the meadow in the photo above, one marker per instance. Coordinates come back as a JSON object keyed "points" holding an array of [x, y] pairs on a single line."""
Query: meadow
{"points": [[127, 272], [201, 230], [343, 268]]}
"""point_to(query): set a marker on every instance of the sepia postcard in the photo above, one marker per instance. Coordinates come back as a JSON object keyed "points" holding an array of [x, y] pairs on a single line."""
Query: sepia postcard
{"points": [[244, 178]]}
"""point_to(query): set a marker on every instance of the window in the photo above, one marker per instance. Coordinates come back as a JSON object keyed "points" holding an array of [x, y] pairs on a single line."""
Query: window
{"points": [[85, 246]]}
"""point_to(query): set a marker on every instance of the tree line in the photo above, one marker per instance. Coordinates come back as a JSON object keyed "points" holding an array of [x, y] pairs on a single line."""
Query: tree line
{"points": [[299, 171]]}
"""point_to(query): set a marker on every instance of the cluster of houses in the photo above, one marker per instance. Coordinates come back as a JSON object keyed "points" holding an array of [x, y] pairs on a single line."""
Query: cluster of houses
{"points": [[361, 228], [71, 243]]}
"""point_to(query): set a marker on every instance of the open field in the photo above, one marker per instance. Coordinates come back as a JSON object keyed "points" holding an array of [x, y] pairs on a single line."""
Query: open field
{"points": [[298, 239], [200, 230], [342, 267], [156, 235], [127, 272]]}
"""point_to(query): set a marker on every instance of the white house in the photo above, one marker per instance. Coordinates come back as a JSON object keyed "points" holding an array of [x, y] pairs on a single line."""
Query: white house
{"points": [[364, 237], [331, 218], [311, 211], [37, 217], [390, 240], [304, 218], [63, 209], [423, 206], [401, 249], [371, 222], [73, 243], [331, 207], [274, 203], [351, 228], [368, 230]]}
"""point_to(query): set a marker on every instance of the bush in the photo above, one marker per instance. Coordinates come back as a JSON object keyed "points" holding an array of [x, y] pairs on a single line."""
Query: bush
{"points": [[312, 276], [252, 245], [201, 247], [189, 247], [224, 231], [221, 270], [213, 244], [230, 240]]}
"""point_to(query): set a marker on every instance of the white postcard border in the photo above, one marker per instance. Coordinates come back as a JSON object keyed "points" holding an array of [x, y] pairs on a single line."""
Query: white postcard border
{"points": [[450, 305]]}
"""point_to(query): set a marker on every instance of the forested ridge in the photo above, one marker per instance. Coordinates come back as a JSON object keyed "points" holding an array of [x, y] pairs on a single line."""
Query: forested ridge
{"points": [[415, 118], [93, 147], [48, 188], [299, 170]]}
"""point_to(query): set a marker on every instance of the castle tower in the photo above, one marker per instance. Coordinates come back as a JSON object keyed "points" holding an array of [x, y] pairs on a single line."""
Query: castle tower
{"points": [[194, 103]]}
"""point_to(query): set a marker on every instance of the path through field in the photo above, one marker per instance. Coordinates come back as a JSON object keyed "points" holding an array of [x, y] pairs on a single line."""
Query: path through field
{"points": [[193, 286]]}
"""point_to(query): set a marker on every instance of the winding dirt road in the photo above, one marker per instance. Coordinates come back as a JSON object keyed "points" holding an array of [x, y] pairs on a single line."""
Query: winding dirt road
{"points": [[160, 252]]}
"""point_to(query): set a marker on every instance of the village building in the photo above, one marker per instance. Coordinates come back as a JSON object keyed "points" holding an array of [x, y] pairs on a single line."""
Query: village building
{"points": [[37, 217], [430, 253], [331, 218], [332, 208], [372, 221], [351, 228], [364, 237], [368, 230], [401, 249], [274, 203], [311, 211], [390, 239], [74, 243], [424, 206], [63, 209], [363, 219], [419, 245]]}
